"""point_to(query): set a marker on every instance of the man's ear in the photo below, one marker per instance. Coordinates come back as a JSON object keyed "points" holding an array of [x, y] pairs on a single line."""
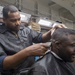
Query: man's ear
{"points": [[57, 44]]}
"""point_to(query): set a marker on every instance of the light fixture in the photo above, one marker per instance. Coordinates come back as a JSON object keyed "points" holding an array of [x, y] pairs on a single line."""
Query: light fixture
{"points": [[44, 22], [25, 17]]}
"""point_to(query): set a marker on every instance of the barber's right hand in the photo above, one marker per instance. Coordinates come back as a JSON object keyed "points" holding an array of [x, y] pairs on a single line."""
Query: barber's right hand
{"points": [[38, 49]]}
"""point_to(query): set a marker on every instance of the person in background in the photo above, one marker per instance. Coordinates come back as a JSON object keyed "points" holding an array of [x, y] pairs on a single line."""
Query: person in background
{"points": [[16, 43], [59, 60]]}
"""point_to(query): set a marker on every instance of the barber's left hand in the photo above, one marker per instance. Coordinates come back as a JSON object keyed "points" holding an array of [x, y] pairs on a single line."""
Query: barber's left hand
{"points": [[56, 27]]}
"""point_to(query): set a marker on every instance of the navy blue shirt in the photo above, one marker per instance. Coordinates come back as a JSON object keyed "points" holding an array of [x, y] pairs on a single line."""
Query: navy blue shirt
{"points": [[11, 44]]}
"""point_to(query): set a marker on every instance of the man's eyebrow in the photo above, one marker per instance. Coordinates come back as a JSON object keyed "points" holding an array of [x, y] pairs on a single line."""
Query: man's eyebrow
{"points": [[11, 19], [15, 18]]}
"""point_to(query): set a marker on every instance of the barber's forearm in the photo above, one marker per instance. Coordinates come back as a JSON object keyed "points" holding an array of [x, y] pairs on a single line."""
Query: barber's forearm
{"points": [[13, 60], [46, 36]]}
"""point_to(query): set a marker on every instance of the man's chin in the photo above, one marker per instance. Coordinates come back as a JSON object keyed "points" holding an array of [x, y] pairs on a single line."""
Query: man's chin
{"points": [[16, 29]]}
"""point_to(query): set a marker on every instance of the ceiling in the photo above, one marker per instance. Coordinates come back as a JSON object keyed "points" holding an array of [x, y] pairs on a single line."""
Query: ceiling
{"points": [[64, 6], [45, 1]]}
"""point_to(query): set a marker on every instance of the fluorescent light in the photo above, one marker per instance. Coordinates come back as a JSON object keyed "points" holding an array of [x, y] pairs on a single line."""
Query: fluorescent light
{"points": [[45, 23], [25, 17]]}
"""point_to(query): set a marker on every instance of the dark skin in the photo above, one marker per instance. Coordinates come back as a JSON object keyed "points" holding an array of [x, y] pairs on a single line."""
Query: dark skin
{"points": [[13, 22], [66, 49]]}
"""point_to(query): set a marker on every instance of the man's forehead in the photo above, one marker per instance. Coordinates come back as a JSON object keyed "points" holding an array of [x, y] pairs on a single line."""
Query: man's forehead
{"points": [[14, 15]]}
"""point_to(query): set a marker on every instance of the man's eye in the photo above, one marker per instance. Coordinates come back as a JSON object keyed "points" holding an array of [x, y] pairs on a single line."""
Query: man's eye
{"points": [[73, 44], [19, 19], [12, 20]]}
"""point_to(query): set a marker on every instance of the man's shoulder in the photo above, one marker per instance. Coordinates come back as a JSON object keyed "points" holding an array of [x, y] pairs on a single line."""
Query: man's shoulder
{"points": [[41, 66], [23, 27], [44, 60], [47, 61], [2, 28], [27, 29]]}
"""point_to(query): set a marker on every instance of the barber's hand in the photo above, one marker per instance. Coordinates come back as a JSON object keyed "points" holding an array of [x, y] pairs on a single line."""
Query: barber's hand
{"points": [[59, 26], [38, 49], [56, 27]]}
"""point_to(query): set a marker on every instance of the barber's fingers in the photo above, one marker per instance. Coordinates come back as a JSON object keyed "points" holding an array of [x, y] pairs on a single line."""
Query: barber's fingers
{"points": [[63, 26], [59, 26], [52, 30], [56, 27], [46, 45], [45, 48]]}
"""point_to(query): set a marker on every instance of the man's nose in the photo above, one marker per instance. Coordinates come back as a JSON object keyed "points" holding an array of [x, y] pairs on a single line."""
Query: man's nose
{"points": [[17, 23]]}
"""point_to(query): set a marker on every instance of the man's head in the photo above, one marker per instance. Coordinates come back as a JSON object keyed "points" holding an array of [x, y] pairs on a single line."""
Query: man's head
{"points": [[63, 43], [11, 17]]}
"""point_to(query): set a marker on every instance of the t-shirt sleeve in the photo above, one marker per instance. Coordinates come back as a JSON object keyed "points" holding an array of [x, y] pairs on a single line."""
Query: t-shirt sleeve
{"points": [[2, 56], [36, 37], [1, 62]]}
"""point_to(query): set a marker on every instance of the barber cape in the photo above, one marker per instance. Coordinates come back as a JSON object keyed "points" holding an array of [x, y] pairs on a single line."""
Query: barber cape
{"points": [[51, 64]]}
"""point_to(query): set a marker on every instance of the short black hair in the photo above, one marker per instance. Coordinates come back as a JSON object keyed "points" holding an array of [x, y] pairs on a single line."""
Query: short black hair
{"points": [[7, 9], [61, 34]]}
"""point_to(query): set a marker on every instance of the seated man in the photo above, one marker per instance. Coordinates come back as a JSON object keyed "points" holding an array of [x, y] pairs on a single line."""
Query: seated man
{"points": [[59, 60]]}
